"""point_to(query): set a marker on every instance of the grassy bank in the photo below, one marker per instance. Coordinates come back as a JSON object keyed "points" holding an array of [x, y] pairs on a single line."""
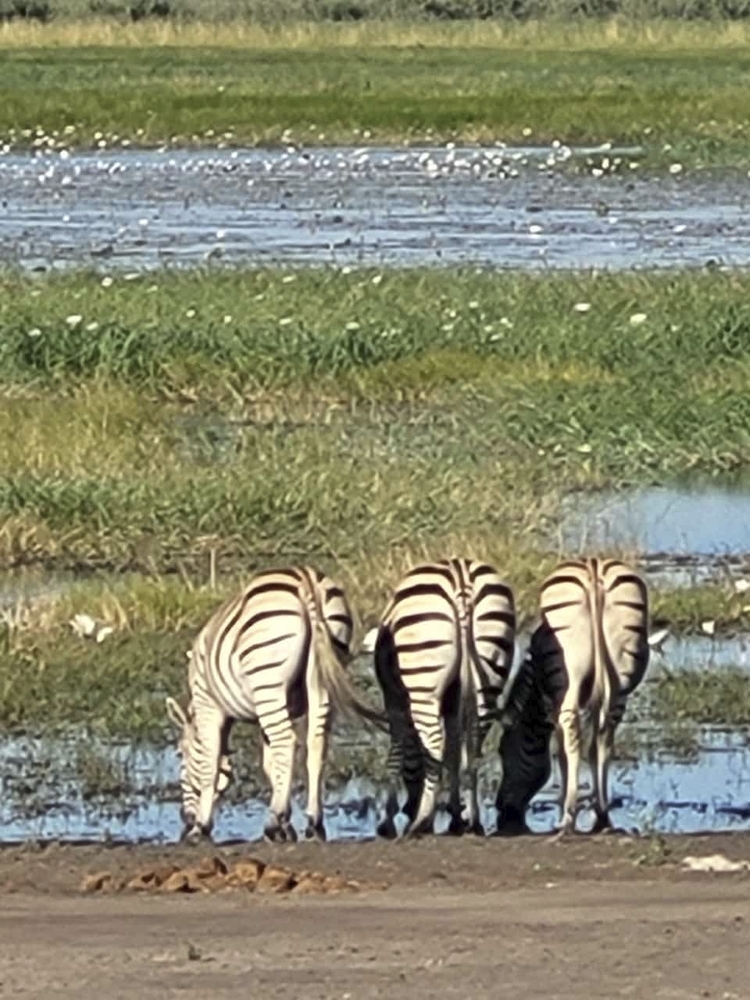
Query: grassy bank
{"points": [[53, 682], [359, 420], [96, 85], [348, 416]]}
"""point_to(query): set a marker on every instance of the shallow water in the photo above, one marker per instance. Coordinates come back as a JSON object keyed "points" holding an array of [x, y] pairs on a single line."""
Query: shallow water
{"points": [[710, 520], [43, 796], [701, 652], [520, 208]]}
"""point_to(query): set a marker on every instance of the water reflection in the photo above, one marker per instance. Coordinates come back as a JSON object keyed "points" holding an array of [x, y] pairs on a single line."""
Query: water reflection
{"points": [[519, 208], [705, 520], [46, 797]]}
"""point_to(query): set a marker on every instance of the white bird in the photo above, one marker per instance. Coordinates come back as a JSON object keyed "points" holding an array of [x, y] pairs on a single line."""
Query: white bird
{"points": [[657, 639], [86, 627], [709, 627]]}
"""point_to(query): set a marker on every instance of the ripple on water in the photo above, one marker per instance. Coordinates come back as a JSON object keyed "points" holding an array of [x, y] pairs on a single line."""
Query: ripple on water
{"points": [[520, 208]]}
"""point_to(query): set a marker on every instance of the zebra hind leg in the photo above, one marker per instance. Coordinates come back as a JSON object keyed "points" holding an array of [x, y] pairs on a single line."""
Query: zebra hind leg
{"points": [[570, 758], [405, 762], [431, 733], [476, 731], [453, 755], [318, 721], [601, 754], [412, 769], [386, 827], [278, 761]]}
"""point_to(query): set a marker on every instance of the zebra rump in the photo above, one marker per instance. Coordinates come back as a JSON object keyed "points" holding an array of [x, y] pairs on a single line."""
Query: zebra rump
{"points": [[443, 651], [273, 654], [587, 655]]}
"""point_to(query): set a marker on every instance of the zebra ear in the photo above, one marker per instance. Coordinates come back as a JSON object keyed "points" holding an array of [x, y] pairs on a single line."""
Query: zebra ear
{"points": [[176, 714]]}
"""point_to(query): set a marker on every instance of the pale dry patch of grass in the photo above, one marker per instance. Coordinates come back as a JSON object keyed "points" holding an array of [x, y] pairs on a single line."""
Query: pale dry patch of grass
{"points": [[93, 429], [591, 35]]}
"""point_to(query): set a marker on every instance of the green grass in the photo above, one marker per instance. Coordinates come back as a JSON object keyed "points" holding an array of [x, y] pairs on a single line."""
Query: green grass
{"points": [[347, 420], [53, 682], [418, 414], [342, 85], [704, 697]]}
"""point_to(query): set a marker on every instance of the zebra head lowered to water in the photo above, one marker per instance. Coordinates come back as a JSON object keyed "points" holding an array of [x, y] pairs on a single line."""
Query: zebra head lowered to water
{"points": [[443, 651], [184, 722], [273, 654], [588, 653]]}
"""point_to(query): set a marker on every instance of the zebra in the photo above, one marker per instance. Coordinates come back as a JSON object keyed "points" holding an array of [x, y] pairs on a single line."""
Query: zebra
{"points": [[443, 650], [588, 653], [272, 654]]}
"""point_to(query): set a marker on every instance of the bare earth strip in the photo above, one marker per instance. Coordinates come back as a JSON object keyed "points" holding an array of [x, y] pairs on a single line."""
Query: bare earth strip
{"points": [[482, 919]]}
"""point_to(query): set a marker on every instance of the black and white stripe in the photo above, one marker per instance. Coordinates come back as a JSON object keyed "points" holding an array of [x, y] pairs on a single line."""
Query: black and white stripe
{"points": [[443, 651], [272, 654], [587, 655]]}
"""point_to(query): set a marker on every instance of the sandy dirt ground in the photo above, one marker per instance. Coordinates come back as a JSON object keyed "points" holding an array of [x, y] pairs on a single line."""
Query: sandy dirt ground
{"points": [[591, 918]]}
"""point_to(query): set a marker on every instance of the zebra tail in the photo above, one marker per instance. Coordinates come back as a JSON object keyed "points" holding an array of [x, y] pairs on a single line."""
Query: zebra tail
{"points": [[470, 662], [602, 675], [329, 667]]}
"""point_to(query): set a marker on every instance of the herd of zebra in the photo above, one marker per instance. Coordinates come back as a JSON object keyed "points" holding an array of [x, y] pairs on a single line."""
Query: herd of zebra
{"points": [[276, 654]]}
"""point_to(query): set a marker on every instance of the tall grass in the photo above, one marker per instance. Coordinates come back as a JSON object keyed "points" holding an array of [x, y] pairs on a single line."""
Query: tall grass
{"points": [[121, 13], [347, 419], [655, 32], [410, 330], [361, 421], [86, 85]]}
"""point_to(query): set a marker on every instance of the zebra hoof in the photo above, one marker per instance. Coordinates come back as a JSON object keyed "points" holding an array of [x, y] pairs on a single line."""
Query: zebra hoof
{"points": [[509, 829], [475, 829], [315, 831], [511, 821], [387, 829], [274, 833], [562, 834], [609, 831], [195, 835], [603, 825], [456, 827], [421, 829], [279, 830]]}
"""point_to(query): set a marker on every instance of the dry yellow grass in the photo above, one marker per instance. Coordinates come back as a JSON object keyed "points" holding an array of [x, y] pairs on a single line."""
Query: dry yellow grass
{"points": [[540, 35]]}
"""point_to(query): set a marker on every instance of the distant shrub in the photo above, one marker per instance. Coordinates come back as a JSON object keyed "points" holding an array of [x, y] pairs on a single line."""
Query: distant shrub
{"points": [[140, 9], [36, 10]]}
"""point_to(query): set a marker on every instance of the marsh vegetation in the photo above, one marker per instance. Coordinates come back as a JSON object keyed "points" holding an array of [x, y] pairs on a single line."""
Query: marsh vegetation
{"points": [[680, 89], [359, 420], [167, 434]]}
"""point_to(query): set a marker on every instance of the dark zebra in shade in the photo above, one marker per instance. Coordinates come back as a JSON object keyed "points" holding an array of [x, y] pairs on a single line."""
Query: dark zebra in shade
{"points": [[273, 654], [587, 655], [443, 651]]}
